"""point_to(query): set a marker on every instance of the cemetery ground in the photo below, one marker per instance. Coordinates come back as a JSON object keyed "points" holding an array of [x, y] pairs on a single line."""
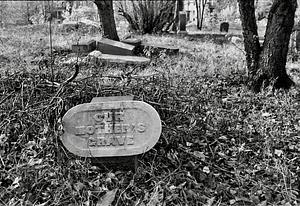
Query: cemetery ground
{"points": [[221, 144]]}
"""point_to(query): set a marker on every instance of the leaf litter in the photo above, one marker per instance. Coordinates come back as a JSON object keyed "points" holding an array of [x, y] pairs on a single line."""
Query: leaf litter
{"points": [[220, 144]]}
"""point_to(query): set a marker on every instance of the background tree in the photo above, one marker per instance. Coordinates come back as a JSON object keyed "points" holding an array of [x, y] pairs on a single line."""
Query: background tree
{"points": [[266, 63], [17, 12], [200, 7], [106, 14]]}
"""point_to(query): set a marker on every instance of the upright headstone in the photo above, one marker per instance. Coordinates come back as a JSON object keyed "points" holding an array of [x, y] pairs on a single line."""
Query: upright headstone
{"points": [[182, 22], [224, 27], [111, 127]]}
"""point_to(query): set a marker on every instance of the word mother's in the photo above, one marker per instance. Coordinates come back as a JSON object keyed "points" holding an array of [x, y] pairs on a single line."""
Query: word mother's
{"points": [[109, 128]]}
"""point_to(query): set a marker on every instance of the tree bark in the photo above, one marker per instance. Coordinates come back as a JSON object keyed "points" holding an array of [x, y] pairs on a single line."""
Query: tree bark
{"points": [[250, 34], [266, 63], [276, 44], [106, 14]]}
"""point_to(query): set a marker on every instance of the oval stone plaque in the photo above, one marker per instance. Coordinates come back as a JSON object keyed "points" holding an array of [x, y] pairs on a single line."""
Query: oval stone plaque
{"points": [[110, 129]]}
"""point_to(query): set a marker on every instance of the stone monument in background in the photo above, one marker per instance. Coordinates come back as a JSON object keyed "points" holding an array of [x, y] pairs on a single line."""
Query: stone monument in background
{"points": [[182, 22], [224, 27]]}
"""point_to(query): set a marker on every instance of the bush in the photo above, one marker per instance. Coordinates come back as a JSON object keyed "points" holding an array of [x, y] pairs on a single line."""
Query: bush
{"points": [[148, 16]]}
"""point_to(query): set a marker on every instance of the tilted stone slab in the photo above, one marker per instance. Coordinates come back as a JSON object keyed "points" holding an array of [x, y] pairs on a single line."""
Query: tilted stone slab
{"points": [[133, 41], [111, 128], [137, 43], [108, 46]]}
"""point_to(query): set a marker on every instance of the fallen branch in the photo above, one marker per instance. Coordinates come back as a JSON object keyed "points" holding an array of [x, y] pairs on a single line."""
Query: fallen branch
{"points": [[62, 85], [73, 76], [6, 97]]}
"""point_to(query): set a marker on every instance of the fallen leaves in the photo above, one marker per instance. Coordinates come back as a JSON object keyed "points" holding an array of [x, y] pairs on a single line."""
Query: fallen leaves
{"points": [[107, 198], [221, 144]]}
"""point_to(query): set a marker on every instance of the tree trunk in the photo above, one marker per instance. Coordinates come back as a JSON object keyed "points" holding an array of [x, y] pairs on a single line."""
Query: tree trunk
{"points": [[276, 44], [266, 63], [251, 39], [200, 8], [106, 14], [198, 14], [202, 13]]}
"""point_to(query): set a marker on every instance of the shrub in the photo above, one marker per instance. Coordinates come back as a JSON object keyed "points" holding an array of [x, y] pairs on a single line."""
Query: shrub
{"points": [[147, 16]]}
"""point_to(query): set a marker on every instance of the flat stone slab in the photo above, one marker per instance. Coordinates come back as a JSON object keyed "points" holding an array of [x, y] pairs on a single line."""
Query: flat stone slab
{"points": [[108, 46], [111, 128], [121, 59], [170, 50], [84, 47]]}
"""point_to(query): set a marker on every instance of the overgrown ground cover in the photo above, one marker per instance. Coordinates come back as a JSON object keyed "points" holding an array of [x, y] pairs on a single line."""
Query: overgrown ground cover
{"points": [[221, 144]]}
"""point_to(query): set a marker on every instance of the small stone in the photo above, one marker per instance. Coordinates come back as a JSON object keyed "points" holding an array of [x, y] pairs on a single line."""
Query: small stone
{"points": [[95, 54]]}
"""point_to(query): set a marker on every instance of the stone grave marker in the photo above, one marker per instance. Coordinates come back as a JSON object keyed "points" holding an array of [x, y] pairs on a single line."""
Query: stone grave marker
{"points": [[132, 41], [224, 27], [119, 59], [84, 47], [137, 43], [108, 46], [156, 48], [182, 22], [111, 129]]}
